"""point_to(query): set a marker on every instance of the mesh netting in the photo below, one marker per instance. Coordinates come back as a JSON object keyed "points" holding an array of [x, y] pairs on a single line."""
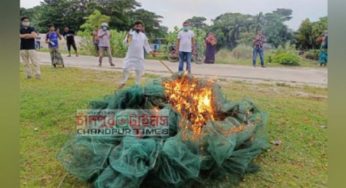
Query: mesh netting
{"points": [[226, 147]]}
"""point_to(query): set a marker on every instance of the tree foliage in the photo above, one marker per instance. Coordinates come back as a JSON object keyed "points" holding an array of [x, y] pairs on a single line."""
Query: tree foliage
{"points": [[62, 13], [73, 13], [198, 22], [33, 14], [309, 32], [235, 28], [120, 11], [151, 21], [275, 29], [94, 20], [231, 29], [229, 26]]}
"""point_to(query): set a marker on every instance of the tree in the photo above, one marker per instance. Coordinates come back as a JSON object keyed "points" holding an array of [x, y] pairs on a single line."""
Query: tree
{"points": [[259, 21], [123, 14], [94, 20], [277, 33], [151, 22], [26, 12], [62, 13], [318, 28], [119, 11], [198, 22], [308, 33], [235, 28], [303, 36], [228, 28], [72, 13], [33, 14], [284, 14]]}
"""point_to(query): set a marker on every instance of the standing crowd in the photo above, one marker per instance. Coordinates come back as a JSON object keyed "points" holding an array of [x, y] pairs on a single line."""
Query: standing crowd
{"points": [[137, 43]]}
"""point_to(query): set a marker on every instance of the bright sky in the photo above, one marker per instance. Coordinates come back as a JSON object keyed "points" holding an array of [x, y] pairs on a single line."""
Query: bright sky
{"points": [[176, 11]]}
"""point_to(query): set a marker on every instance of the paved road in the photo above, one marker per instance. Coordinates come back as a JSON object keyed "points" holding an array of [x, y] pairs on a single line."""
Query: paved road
{"points": [[298, 75]]}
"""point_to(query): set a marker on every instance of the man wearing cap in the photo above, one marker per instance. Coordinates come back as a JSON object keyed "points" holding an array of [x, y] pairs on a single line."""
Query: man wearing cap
{"points": [[104, 37]]}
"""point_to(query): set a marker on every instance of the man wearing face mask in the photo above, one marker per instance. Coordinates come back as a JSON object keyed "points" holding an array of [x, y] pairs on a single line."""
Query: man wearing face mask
{"points": [[27, 49], [137, 42], [104, 37], [185, 47]]}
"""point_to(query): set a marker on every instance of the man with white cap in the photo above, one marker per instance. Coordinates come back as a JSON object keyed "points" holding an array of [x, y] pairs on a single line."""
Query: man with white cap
{"points": [[104, 37], [136, 41]]}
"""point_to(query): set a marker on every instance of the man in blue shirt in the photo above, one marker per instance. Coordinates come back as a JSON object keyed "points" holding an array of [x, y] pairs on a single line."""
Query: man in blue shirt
{"points": [[52, 39]]}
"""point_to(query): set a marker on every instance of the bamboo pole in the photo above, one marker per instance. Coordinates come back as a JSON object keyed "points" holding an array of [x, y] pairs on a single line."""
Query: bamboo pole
{"points": [[164, 64]]}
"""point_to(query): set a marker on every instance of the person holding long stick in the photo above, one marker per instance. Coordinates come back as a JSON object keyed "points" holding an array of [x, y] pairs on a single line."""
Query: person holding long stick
{"points": [[137, 42]]}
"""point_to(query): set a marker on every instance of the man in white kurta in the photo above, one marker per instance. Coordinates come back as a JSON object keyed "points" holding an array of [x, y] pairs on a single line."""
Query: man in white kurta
{"points": [[137, 42]]}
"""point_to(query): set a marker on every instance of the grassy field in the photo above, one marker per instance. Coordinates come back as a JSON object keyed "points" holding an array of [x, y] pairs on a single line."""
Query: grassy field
{"points": [[297, 118]]}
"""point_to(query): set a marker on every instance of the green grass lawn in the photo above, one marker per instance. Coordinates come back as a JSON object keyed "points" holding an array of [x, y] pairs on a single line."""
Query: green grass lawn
{"points": [[297, 117]]}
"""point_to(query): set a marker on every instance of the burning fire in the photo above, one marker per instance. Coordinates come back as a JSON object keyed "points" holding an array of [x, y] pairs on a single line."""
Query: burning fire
{"points": [[193, 100]]}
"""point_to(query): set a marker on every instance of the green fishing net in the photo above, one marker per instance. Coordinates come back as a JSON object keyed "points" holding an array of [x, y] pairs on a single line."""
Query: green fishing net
{"points": [[227, 146]]}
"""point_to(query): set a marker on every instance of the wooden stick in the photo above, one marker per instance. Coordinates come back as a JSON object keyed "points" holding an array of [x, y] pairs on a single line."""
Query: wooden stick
{"points": [[164, 64], [63, 179]]}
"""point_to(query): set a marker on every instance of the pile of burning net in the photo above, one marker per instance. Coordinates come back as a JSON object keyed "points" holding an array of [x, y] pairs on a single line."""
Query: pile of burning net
{"points": [[209, 138]]}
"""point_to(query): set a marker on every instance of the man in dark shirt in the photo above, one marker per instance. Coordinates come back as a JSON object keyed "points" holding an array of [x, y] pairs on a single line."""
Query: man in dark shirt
{"points": [[69, 37], [27, 49]]}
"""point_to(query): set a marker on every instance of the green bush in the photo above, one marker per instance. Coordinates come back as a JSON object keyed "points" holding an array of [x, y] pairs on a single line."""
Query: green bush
{"points": [[268, 58], [119, 49], [246, 38], [171, 39], [224, 56], [86, 43], [312, 54], [200, 35], [94, 20], [286, 58], [242, 52]]}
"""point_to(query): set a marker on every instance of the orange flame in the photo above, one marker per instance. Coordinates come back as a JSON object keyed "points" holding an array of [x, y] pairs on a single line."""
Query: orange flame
{"points": [[193, 100]]}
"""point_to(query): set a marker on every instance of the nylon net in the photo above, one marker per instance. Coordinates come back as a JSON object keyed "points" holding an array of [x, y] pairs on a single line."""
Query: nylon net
{"points": [[209, 137]]}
